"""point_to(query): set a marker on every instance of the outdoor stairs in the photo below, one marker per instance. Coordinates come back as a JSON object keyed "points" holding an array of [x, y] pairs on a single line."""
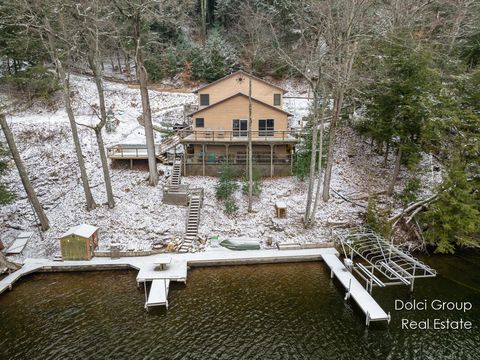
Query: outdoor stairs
{"points": [[176, 178], [193, 220], [166, 144]]}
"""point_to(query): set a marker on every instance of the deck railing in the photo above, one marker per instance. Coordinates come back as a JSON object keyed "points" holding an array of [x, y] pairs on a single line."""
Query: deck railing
{"points": [[236, 159], [238, 135]]}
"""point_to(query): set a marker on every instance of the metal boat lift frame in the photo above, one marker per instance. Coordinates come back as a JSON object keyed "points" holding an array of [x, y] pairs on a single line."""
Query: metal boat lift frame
{"points": [[394, 266]]}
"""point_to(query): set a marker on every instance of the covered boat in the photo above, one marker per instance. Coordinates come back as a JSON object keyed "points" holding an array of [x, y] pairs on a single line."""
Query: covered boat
{"points": [[241, 244]]}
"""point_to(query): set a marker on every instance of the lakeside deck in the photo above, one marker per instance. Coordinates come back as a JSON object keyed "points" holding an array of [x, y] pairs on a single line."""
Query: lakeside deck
{"points": [[178, 267]]}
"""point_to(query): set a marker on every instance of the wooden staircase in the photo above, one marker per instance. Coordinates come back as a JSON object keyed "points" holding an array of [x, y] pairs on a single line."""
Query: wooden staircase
{"points": [[166, 144], [176, 177], [193, 221]]}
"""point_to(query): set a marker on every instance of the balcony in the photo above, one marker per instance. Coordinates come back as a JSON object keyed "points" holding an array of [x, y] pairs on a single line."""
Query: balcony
{"points": [[238, 136]]}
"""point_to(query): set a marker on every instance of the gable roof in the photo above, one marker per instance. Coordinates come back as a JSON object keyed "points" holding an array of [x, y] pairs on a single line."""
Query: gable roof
{"points": [[83, 230], [236, 73], [243, 95]]}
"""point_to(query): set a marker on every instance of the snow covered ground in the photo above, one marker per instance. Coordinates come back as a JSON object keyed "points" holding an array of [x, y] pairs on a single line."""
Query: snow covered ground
{"points": [[140, 219]]}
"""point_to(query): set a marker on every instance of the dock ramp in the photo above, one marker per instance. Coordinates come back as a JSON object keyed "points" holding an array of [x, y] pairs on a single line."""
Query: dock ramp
{"points": [[364, 300], [158, 293]]}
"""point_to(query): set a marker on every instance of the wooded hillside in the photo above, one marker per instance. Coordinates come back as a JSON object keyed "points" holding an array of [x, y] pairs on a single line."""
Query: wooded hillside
{"points": [[405, 74]]}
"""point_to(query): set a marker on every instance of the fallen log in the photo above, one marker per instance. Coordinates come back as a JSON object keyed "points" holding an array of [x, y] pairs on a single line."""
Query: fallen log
{"points": [[7, 264], [394, 219]]}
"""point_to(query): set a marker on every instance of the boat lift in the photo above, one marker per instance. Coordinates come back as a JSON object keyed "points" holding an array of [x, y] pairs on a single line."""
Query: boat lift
{"points": [[383, 263]]}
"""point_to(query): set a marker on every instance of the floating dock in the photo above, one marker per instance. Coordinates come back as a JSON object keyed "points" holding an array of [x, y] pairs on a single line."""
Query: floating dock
{"points": [[364, 300]]}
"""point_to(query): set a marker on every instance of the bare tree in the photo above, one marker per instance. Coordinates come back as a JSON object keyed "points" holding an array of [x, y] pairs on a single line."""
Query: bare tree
{"points": [[37, 17], [250, 31], [309, 59], [89, 27], [134, 12], [22, 171], [347, 25]]}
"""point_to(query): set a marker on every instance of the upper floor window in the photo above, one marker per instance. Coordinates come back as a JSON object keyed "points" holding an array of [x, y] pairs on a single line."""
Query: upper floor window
{"points": [[276, 99], [265, 127], [204, 99], [199, 122]]}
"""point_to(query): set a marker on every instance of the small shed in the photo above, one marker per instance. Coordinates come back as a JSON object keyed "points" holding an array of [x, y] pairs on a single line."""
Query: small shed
{"points": [[79, 242]]}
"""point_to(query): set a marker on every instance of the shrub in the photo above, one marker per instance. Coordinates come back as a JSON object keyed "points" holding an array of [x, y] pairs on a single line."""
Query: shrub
{"points": [[376, 219], [410, 192], [225, 189]]}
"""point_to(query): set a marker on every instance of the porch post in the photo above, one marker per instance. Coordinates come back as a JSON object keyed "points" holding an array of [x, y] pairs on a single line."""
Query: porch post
{"points": [[203, 159], [184, 160], [247, 158], [271, 159], [226, 152], [291, 159]]}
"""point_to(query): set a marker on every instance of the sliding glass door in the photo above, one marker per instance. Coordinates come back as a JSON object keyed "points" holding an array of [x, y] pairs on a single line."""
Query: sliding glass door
{"points": [[240, 127]]}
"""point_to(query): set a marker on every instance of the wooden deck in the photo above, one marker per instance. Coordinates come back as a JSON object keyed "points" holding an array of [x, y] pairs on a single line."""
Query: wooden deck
{"points": [[189, 136]]}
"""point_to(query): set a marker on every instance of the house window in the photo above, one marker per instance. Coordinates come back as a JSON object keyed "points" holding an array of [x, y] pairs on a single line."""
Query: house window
{"points": [[239, 127], [276, 99], [199, 122], [265, 127], [204, 99]]}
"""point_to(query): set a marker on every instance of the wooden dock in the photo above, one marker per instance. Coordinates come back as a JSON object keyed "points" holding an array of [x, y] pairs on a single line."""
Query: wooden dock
{"points": [[364, 300]]}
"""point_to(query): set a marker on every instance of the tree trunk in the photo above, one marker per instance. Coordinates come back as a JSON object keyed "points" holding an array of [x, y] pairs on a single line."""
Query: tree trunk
{"points": [[203, 14], [320, 169], [332, 134], [93, 62], [387, 150], [396, 171], [32, 196], [119, 62], [250, 150], [147, 112], [313, 159]]}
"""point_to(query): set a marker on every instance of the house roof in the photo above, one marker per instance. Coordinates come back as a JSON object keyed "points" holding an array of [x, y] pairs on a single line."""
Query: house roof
{"points": [[82, 230], [239, 72], [235, 95]]}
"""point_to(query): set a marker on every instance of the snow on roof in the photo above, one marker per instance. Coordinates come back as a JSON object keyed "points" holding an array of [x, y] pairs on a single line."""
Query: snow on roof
{"points": [[82, 230]]}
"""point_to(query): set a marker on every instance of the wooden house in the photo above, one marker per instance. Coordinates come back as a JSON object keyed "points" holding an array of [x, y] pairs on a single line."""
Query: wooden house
{"points": [[219, 131], [79, 242]]}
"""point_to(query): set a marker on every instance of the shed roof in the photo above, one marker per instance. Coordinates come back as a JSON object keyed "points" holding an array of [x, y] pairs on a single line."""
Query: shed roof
{"points": [[82, 230], [242, 95], [243, 73]]}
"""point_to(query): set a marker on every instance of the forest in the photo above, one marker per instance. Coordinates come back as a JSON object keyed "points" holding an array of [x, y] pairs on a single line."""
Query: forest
{"points": [[403, 74]]}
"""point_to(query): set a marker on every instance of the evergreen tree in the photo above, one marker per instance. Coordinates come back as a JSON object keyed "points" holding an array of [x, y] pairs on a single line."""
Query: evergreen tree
{"points": [[454, 218], [217, 59], [401, 103], [5, 195]]}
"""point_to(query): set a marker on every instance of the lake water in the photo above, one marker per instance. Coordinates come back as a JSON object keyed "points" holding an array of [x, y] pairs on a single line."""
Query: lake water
{"points": [[287, 311]]}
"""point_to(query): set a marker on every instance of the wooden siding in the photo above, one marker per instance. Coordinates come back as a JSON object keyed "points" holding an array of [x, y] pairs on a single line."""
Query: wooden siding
{"points": [[75, 248], [220, 117], [231, 86]]}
